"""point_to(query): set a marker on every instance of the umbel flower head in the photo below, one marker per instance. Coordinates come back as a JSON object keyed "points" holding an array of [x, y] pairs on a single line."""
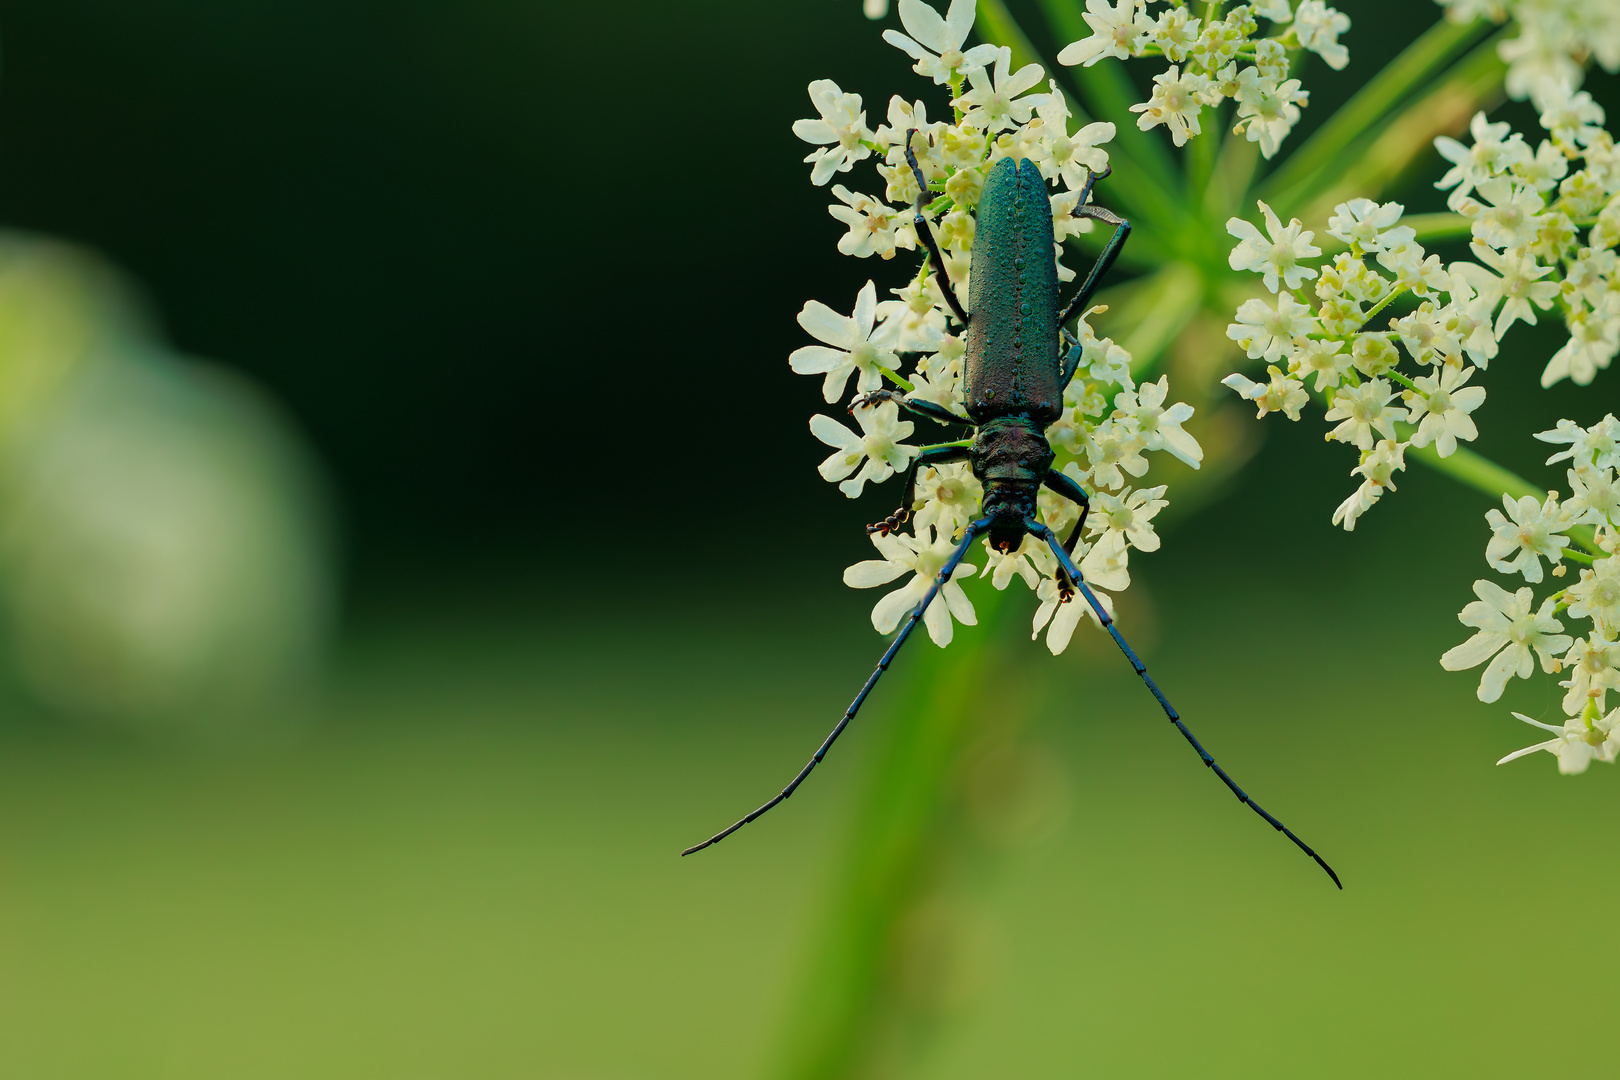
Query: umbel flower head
{"points": [[902, 336]]}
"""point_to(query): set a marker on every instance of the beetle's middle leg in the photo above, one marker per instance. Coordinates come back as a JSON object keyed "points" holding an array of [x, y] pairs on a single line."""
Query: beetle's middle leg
{"points": [[1066, 487], [1122, 233], [929, 409], [928, 455]]}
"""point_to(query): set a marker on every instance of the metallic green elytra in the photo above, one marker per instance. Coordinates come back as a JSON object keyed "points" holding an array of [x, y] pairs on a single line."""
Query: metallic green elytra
{"points": [[1014, 285]]}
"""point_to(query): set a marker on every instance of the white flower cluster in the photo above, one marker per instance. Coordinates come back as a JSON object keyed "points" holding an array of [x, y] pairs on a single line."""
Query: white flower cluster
{"points": [[1320, 336], [1513, 630], [1529, 208], [912, 344], [1545, 224], [1556, 39], [1213, 59]]}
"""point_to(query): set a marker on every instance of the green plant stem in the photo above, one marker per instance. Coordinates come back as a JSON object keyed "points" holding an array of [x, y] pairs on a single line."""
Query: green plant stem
{"points": [[1379, 158], [851, 999], [1477, 472], [1483, 474], [997, 26], [1380, 306], [1438, 46], [1437, 227], [1152, 311]]}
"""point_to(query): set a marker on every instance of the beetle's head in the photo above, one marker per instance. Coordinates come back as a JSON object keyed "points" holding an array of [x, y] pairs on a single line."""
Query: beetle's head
{"points": [[1008, 505]]}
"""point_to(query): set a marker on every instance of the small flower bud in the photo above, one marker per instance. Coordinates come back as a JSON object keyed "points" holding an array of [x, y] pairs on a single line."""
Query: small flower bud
{"points": [[1373, 355]]}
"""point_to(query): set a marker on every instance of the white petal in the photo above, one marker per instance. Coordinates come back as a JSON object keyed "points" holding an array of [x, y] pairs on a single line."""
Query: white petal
{"points": [[1182, 446], [892, 608], [906, 45], [836, 467], [1537, 723], [815, 132], [1514, 660], [959, 604], [825, 324], [938, 620], [923, 23], [833, 433], [816, 359], [865, 310], [1473, 652], [1063, 624], [1573, 757], [832, 387], [1550, 744], [958, 21], [871, 573]]}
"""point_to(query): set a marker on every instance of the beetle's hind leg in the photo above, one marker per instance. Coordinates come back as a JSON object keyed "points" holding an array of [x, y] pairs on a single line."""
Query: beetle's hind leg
{"points": [[929, 455]]}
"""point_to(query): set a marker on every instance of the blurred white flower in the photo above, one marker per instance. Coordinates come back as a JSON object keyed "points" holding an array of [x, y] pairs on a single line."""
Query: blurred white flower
{"points": [[1531, 531], [1318, 27], [999, 99], [1176, 101], [1114, 32], [1441, 407], [1369, 225]]}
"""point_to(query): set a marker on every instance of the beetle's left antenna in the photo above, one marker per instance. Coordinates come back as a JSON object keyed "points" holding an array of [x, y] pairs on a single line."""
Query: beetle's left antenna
{"points": [[974, 531], [926, 234]]}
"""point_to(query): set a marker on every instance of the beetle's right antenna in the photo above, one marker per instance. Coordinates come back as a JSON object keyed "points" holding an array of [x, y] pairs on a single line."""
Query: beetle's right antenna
{"points": [[1041, 532], [974, 531], [927, 235]]}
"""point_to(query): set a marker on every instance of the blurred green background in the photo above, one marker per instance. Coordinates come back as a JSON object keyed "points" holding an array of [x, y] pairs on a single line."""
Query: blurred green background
{"points": [[501, 296]]}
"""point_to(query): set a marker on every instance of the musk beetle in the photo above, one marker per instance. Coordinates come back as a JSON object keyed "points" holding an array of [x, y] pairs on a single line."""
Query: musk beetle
{"points": [[1016, 373]]}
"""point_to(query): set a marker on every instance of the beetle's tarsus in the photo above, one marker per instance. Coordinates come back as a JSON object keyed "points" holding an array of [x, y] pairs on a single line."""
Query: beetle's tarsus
{"points": [[891, 523], [873, 398]]}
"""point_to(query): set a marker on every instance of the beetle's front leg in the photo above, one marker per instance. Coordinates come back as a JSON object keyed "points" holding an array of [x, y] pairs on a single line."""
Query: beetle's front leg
{"points": [[920, 222], [928, 455], [921, 408], [1122, 233], [1066, 487]]}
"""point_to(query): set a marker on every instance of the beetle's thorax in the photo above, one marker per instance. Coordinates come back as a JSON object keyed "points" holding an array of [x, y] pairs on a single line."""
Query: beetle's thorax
{"points": [[1010, 456]]}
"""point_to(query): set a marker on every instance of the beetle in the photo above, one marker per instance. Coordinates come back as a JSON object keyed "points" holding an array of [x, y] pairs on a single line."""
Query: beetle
{"points": [[1015, 377]]}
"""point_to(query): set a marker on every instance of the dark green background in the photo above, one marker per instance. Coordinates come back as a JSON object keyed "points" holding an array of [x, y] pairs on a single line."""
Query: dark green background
{"points": [[527, 275]]}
